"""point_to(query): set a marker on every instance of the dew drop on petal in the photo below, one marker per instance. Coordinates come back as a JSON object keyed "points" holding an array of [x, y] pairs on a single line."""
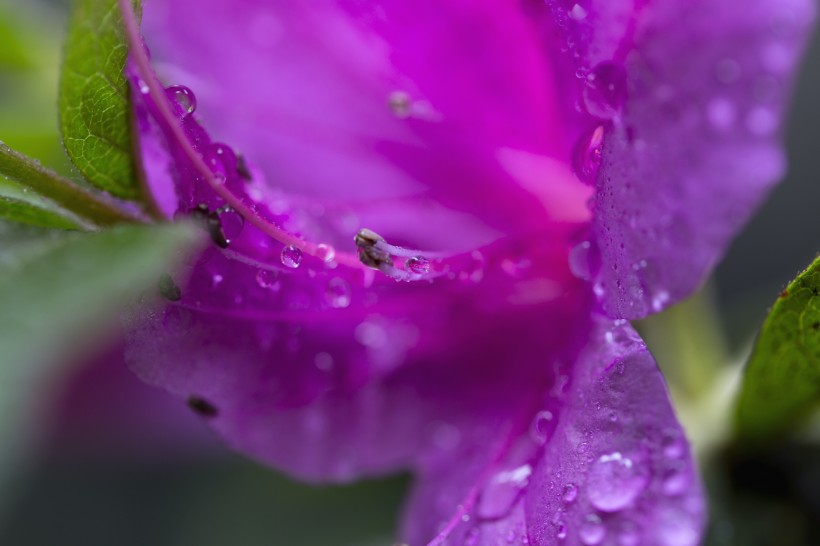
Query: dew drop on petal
{"points": [[584, 260], [269, 280], [323, 361], [578, 12], [338, 293], [418, 265], [673, 445], [629, 535], [569, 493], [183, 98], [472, 537], [503, 490], [560, 530], [675, 480], [614, 481], [677, 528], [291, 256], [592, 530], [231, 223], [542, 427], [588, 153], [605, 90], [325, 252]]}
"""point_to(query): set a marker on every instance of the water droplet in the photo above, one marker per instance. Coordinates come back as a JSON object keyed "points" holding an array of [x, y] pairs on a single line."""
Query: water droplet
{"points": [[592, 530], [614, 481], [605, 90], [323, 361], [221, 159], [338, 293], [569, 493], [728, 71], [269, 280], [418, 265], [474, 270], [516, 266], [761, 121], [472, 536], [144, 89], [291, 256], [721, 113], [677, 528], [510, 536], [629, 535], [675, 480], [371, 334], [183, 98], [578, 12], [659, 300], [672, 443], [503, 491], [542, 427], [231, 223], [584, 260], [325, 252], [561, 532], [588, 154]]}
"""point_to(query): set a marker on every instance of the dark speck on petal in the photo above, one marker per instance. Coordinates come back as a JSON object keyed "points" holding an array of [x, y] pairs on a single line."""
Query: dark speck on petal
{"points": [[202, 407]]}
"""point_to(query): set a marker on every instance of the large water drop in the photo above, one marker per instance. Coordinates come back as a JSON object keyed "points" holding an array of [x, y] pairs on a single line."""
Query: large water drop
{"points": [[605, 90], [614, 481], [291, 256]]}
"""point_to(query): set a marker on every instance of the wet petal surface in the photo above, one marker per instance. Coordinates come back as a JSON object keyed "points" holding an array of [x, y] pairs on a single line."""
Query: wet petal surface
{"points": [[618, 469], [691, 99]]}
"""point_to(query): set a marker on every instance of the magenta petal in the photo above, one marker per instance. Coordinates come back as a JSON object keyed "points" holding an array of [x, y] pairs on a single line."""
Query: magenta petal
{"points": [[442, 110], [618, 469], [696, 146]]}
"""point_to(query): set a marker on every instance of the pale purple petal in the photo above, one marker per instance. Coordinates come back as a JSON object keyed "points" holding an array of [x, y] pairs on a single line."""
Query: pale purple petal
{"points": [[618, 469], [698, 142], [601, 461]]}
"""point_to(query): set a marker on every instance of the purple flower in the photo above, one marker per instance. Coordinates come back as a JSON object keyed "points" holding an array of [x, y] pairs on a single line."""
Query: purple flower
{"points": [[560, 167]]}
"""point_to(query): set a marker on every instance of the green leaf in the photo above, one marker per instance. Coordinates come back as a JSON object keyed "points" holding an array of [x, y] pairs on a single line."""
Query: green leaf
{"points": [[61, 294], [18, 210], [94, 105], [782, 378]]}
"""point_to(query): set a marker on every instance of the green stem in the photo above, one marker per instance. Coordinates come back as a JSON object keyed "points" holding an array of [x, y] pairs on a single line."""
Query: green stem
{"points": [[90, 206]]}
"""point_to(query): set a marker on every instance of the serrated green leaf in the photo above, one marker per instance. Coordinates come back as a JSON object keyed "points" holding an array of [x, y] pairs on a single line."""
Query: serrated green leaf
{"points": [[94, 106], [24, 212], [781, 383], [62, 292]]}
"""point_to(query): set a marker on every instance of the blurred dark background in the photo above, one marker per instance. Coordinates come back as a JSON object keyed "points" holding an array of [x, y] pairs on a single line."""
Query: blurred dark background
{"points": [[206, 496]]}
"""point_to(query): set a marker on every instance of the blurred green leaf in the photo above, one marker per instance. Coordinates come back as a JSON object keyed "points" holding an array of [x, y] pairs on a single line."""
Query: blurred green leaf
{"points": [[14, 51], [61, 294], [30, 43], [781, 384], [18, 210], [94, 105]]}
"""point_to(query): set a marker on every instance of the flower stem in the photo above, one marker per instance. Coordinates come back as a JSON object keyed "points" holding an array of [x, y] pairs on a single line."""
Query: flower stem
{"points": [[61, 191]]}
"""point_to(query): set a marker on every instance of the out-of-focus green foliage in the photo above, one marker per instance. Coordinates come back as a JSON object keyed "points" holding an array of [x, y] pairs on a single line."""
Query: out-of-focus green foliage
{"points": [[18, 210], [95, 116], [782, 378], [30, 38], [61, 293]]}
